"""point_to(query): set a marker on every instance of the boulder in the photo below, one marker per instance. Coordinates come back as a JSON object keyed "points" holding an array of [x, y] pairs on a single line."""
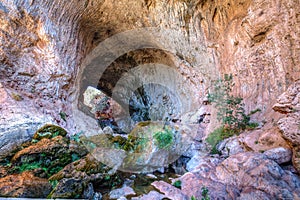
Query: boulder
{"points": [[152, 195], [72, 188], [231, 146], [121, 192], [49, 131], [24, 185], [169, 191], [202, 164], [280, 155], [149, 147], [11, 141], [289, 103], [256, 174]]}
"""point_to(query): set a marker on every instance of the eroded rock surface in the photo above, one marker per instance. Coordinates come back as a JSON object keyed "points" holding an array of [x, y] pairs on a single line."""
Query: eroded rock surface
{"points": [[289, 104], [253, 170], [240, 176], [24, 185], [43, 45]]}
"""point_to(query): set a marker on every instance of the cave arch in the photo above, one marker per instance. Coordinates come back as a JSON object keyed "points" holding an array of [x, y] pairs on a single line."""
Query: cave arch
{"points": [[99, 65]]}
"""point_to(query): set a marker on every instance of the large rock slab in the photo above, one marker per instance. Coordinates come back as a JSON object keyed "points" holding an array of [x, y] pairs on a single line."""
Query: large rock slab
{"points": [[24, 185], [289, 104], [254, 173]]}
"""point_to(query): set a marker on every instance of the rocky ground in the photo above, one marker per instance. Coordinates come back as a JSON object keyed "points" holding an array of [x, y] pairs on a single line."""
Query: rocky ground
{"points": [[257, 164]]}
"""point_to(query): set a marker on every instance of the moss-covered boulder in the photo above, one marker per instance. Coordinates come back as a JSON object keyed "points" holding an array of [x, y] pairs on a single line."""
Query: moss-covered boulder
{"points": [[149, 146], [89, 171], [49, 131], [46, 157]]}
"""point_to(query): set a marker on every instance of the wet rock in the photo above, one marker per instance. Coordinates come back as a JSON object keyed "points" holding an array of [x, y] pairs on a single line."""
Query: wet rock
{"points": [[151, 176], [3, 171], [24, 185], [86, 168], [255, 173], [89, 191], [121, 192], [280, 155], [97, 196], [49, 146], [71, 188], [152, 195]]}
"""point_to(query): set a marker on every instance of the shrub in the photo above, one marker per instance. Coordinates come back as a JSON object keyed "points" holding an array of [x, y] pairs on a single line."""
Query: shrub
{"points": [[205, 195], [230, 112]]}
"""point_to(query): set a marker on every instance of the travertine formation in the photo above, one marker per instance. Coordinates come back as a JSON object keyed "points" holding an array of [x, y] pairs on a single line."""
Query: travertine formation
{"points": [[289, 104], [50, 51], [43, 44]]}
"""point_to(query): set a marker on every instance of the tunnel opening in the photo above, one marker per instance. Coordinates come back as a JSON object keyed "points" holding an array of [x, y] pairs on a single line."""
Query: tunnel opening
{"points": [[153, 102]]}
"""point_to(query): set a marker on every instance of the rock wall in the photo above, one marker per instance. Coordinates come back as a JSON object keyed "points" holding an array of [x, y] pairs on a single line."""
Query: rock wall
{"points": [[43, 45]]}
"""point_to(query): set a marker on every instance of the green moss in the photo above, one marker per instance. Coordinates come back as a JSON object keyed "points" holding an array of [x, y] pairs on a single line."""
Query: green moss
{"points": [[254, 111], [252, 125], [136, 144], [63, 115], [217, 136], [177, 184], [49, 131], [53, 183], [75, 157], [164, 139], [49, 162], [27, 167]]}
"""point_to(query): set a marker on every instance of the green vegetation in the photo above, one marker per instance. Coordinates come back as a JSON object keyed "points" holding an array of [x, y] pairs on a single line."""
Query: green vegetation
{"points": [[41, 162], [27, 167], [230, 112], [139, 141], [136, 144], [252, 125], [177, 184], [205, 195], [75, 157], [164, 139], [63, 115], [193, 198], [218, 135], [230, 108], [48, 131], [76, 137], [53, 183]]}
